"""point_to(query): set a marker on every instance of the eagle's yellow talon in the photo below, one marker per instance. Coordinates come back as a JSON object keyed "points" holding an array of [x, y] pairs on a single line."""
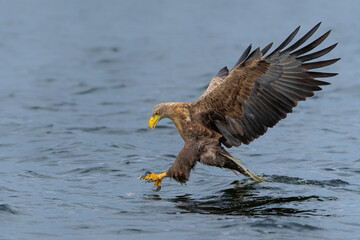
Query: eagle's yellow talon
{"points": [[151, 177]]}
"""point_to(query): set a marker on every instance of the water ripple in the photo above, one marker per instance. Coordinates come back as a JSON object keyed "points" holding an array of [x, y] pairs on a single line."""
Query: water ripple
{"points": [[271, 224], [90, 90], [35, 174], [301, 181], [5, 208], [91, 170], [99, 130]]}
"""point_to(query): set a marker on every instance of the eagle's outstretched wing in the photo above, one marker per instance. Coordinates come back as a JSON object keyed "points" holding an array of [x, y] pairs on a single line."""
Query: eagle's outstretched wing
{"points": [[260, 91]]}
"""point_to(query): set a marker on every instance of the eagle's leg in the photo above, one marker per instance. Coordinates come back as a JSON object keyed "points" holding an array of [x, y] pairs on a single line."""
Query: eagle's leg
{"points": [[243, 170], [157, 178]]}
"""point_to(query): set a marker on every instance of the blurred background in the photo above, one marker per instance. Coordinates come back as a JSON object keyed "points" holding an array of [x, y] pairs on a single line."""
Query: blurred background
{"points": [[79, 80]]}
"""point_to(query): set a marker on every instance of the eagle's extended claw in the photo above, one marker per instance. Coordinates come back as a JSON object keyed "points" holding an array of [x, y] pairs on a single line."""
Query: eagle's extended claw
{"points": [[145, 174], [151, 177]]}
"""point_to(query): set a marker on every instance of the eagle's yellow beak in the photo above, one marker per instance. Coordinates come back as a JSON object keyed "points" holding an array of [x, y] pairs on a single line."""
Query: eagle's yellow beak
{"points": [[153, 121]]}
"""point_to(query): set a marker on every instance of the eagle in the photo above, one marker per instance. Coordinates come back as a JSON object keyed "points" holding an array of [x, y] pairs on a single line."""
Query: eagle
{"points": [[241, 104]]}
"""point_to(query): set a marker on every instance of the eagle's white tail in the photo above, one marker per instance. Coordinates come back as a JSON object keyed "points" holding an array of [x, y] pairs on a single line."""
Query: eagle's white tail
{"points": [[244, 169]]}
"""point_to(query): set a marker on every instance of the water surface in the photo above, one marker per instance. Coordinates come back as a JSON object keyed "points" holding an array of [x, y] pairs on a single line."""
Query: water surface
{"points": [[80, 79]]}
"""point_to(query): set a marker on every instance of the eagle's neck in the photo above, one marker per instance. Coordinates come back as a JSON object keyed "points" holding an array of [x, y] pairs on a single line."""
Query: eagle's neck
{"points": [[179, 113]]}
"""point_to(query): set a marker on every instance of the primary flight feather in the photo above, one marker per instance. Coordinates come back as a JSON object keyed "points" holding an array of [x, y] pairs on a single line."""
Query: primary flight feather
{"points": [[240, 105]]}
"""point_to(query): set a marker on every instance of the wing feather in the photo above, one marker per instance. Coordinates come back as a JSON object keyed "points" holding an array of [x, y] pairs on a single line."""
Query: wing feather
{"points": [[303, 39], [319, 64], [266, 49], [260, 91], [286, 42], [216, 81], [312, 45], [243, 56], [317, 54]]}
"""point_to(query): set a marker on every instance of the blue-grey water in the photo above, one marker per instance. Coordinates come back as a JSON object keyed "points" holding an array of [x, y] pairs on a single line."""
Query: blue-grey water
{"points": [[79, 80]]}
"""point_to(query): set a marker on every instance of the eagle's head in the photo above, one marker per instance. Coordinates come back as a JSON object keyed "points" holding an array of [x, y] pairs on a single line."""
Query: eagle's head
{"points": [[162, 110], [171, 110]]}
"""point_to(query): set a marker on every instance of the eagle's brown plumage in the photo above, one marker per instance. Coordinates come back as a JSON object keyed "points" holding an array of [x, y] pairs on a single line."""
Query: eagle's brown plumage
{"points": [[240, 105]]}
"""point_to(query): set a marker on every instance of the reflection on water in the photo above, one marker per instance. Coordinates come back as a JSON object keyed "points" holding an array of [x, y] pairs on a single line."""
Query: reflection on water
{"points": [[244, 198]]}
